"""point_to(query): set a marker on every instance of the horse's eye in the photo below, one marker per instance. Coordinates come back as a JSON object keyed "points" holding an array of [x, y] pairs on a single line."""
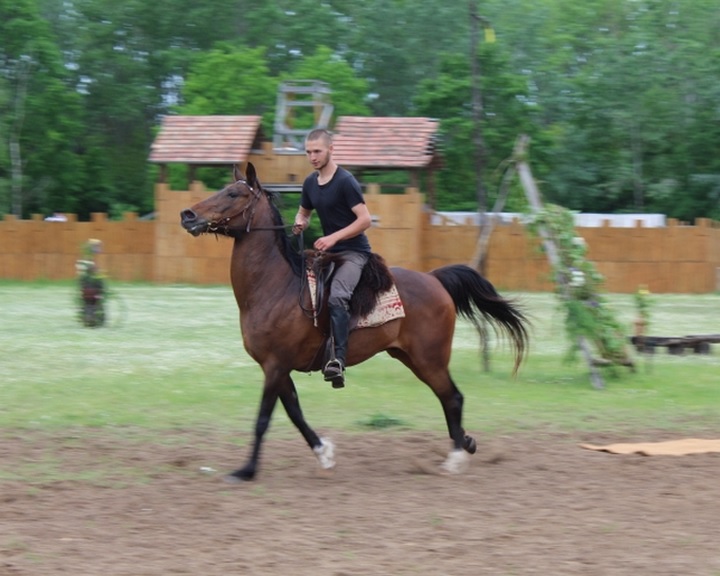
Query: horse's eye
{"points": [[233, 193]]}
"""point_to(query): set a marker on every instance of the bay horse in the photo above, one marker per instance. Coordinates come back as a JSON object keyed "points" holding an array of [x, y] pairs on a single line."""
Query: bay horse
{"points": [[267, 280]]}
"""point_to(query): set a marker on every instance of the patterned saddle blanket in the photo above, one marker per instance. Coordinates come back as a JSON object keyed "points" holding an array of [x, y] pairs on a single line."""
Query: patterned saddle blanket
{"points": [[389, 306]]}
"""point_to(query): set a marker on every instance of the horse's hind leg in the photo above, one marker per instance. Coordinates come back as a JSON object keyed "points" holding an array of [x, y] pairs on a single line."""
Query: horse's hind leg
{"points": [[323, 448], [451, 400], [452, 404]]}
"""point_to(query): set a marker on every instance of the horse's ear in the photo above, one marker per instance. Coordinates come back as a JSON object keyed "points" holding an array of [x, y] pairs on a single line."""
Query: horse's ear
{"points": [[237, 175], [252, 178]]}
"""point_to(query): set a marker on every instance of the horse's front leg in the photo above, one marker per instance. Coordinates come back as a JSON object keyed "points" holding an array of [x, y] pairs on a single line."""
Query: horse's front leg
{"points": [[323, 448], [267, 405]]}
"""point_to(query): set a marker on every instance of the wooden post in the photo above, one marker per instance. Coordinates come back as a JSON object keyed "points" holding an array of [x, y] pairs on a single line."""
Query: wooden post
{"points": [[533, 196]]}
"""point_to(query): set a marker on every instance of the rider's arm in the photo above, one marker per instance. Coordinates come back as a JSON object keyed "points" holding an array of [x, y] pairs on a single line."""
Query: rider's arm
{"points": [[302, 219], [362, 222]]}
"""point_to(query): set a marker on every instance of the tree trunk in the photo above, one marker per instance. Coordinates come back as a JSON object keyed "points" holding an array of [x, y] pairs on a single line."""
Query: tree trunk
{"points": [[16, 165], [479, 146]]}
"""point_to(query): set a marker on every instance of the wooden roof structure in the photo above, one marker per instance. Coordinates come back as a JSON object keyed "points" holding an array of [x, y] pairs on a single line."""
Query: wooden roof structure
{"points": [[385, 142], [206, 140], [359, 142]]}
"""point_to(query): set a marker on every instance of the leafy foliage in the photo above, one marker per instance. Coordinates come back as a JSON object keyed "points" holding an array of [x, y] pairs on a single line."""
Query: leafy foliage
{"points": [[240, 80], [578, 285], [619, 97], [506, 112]]}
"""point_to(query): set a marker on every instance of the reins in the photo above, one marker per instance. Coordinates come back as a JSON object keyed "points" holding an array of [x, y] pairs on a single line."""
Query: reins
{"points": [[222, 227]]}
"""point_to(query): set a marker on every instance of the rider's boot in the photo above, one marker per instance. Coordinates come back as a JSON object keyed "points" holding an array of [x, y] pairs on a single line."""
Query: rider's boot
{"points": [[334, 370]]}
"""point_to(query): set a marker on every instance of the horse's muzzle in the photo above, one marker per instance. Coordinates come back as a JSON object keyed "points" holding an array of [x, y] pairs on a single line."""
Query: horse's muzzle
{"points": [[192, 223]]}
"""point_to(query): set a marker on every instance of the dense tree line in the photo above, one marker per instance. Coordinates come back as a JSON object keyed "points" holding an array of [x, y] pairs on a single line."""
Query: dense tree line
{"points": [[621, 97]]}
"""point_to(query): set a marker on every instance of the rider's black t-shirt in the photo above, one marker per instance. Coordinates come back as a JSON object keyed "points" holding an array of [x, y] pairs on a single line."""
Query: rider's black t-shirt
{"points": [[333, 203]]}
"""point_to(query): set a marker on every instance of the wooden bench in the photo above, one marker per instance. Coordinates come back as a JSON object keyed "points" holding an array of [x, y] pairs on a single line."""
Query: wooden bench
{"points": [[700, 344]]}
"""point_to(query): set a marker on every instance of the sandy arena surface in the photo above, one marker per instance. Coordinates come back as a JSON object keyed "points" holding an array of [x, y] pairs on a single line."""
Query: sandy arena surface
{"points": [[124, 503]]}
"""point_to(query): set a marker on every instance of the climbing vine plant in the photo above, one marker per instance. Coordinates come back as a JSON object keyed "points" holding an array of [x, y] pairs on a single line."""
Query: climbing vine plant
{"points": [[578, 285]]}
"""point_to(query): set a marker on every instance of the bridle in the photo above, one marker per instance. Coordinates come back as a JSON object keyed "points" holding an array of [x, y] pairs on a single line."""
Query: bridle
{"points": [[222, 226]]}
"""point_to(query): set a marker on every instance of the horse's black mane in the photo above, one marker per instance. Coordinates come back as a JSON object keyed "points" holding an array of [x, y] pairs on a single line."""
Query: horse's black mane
{"points": [[289, 252]]}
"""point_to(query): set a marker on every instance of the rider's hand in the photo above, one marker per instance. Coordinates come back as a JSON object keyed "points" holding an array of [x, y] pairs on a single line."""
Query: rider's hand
{"points": [[325, 243]]}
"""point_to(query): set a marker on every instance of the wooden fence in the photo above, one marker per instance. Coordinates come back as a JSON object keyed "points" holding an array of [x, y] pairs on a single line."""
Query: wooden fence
{"points": [[36, 249], [674, 259]]}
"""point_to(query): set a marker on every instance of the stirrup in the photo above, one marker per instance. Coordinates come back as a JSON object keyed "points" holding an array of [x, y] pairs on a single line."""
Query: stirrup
{"points": [[335, 373]]}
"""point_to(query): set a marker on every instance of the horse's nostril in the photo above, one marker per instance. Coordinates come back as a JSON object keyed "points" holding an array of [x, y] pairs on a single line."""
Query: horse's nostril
{"points": [[188, 215]]}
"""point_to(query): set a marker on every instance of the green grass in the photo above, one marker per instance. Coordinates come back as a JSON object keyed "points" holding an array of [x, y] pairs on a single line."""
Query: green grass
{"points": [[172, 358]]}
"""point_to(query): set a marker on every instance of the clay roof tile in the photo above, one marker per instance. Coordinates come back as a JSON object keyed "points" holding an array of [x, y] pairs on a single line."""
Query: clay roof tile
{"points": [[205, 139], [385, 142]]}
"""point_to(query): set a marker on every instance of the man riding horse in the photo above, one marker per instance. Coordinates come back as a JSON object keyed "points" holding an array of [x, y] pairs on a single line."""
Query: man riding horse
{"points": [[267, 279], [336, 196]]}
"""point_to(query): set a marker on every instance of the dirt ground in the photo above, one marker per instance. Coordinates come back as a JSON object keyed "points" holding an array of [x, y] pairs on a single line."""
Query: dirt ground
{"points": [[124, 503]]}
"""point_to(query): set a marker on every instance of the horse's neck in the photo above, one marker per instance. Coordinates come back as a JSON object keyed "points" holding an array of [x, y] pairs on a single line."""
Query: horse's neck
{"points": [[259, 271]]}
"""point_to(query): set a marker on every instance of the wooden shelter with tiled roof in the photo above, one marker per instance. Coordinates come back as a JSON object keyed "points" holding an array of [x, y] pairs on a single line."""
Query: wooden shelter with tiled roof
{"points": [[360, 144], [386, 143], [367, 146], [205, 140], [372, 144]]}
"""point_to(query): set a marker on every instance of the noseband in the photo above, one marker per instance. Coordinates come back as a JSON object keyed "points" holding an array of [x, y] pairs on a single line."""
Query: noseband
{"points": [[222, 226]]}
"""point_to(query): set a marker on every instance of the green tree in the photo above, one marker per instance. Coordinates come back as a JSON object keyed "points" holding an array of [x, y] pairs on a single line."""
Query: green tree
{"points": [[623, 88], [396, 44], [128, 62], [506, 114], [619, 96], [240, 83], [40, 111], [291, 30]]}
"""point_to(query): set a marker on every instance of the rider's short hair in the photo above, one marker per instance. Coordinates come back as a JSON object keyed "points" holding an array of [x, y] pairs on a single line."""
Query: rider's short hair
{"points": [[320, 134]]}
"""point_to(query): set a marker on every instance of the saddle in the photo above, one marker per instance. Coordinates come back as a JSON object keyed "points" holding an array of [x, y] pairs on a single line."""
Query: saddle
{"points": [[374, 280], [374, 302]]}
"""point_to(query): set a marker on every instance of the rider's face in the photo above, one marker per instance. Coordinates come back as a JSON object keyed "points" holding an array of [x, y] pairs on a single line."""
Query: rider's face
{"points": [[318, 153]]}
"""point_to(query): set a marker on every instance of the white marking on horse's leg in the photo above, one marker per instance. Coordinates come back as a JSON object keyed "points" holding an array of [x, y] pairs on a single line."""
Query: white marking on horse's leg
{"points": [[325, 453], [456, 462]]}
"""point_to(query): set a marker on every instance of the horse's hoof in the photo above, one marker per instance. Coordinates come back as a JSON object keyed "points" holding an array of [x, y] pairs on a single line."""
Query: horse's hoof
{"points": [[239, 476], [325, 454], [469, 445], [455, 463]]}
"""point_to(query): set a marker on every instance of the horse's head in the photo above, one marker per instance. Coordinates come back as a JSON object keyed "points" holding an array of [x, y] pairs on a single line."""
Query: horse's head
{"points": [[227, 211]]}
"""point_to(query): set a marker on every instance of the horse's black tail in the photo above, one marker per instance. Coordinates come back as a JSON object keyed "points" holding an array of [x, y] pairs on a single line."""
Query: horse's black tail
{"points": [[476, 298]]}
